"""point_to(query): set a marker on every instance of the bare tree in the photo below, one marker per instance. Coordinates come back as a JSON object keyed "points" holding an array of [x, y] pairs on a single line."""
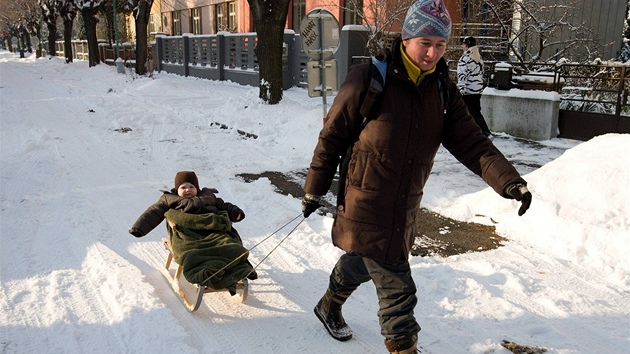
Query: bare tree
{"points": [[380, 18], [32, 23], [269, 18], [106, 12], [67, 13], [141, 14], [89, 10], [625, 47], [538, 32], [49, 14], [9, 24], [20, 19]]}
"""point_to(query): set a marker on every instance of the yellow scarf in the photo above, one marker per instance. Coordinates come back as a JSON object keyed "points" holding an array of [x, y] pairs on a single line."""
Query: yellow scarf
{"points": [[413, 71]]}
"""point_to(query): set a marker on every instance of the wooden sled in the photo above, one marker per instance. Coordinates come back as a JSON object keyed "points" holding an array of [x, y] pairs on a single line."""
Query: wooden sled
{"points": [[242, 287]]}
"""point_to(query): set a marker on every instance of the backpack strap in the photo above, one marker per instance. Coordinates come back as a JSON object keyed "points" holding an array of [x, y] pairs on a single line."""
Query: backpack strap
{"points": [[378, 74], [378, 71]]}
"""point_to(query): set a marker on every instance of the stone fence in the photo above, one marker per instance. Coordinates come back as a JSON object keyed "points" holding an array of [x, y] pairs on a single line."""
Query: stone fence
{"points": [[230, 56]]}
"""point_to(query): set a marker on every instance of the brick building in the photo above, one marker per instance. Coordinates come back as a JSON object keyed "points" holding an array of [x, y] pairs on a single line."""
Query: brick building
{"points": [[176, 17]]}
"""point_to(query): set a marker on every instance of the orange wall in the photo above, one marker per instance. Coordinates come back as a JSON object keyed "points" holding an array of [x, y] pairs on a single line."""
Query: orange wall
{"points": [[451, 5], [312, 4], [245, 22]]}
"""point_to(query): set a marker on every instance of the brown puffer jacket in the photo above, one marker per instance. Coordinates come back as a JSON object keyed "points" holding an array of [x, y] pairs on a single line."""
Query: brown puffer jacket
{"points": [[394, 155], [204, 202]]}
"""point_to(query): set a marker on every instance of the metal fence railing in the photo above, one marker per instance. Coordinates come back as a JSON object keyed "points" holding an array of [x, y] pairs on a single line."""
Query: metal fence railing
{"points": [[599, 88], [602, 88]]}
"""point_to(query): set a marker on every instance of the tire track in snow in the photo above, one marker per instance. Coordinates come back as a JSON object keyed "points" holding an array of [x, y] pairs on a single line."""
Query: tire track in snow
{"points": [[50, 230], [26, 238], [93, 302], [84, 300]]}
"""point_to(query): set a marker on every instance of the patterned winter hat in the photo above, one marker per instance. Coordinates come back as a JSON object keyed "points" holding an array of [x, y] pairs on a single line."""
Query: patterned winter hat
{"points": [[427, 18], [186, 176]]}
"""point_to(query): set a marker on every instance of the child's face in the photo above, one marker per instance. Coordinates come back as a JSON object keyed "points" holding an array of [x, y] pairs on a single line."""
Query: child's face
{"points": [[187, 190]]}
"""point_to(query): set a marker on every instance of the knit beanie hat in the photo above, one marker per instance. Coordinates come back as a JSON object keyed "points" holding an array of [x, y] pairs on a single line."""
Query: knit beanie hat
{"points": [[427, 18], [186, 176], [470, 41]]}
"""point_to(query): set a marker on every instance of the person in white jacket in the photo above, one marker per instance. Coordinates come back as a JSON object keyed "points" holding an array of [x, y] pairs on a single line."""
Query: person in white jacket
{"points": [[470, 81]]}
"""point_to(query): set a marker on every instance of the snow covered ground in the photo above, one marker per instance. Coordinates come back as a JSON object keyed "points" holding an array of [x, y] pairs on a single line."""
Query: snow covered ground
{"points": [[72, 182]]}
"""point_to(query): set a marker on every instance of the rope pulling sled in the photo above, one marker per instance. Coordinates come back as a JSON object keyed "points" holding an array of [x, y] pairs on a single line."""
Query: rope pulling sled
{"points": [[242, 286]]}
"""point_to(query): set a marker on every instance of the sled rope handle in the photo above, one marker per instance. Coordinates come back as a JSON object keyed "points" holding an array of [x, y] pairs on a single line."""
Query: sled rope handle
{"points": [[281, 241], [256, 245], [275, 232]]}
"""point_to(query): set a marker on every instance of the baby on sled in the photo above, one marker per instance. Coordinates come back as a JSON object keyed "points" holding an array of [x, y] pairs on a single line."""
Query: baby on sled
{"points": [[200, 231]]}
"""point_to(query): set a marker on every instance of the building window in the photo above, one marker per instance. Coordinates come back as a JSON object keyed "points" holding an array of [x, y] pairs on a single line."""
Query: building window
{"points": [[151, 24], [155, 23], [464, 10], [177, 24], [352, 11], [220, 17], [299, 11], [226, 16], [232, 16], [195, 24]]}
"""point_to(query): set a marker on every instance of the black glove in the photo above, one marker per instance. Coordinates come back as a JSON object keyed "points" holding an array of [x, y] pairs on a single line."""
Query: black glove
{"points": [[237, 215], [310, 203], [136, 232], [520, 192]]}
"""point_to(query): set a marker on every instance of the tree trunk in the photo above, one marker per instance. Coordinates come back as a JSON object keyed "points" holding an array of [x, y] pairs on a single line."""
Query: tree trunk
{"points": [[52, 37], [89, 22], [26, 39], [269, 54], [67, 40], [269, 18], [107, 14], [142, 19]]}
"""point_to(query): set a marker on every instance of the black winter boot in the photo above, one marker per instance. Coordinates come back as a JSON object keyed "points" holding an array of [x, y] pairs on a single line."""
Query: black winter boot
{"points": [[328, 310], [404, 345]]}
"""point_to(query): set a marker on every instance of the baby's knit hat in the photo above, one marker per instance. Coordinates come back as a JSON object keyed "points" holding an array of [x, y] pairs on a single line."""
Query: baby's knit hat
{"points": [[427, 18], [186, 176]]}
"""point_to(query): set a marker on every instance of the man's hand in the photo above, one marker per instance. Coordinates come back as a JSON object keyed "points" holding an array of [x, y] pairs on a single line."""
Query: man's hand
{"points": [[520, 192], [310, 203]]}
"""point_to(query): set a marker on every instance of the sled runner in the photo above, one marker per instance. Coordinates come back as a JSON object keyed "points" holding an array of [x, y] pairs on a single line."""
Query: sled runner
{"points": [[242, 286]]}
